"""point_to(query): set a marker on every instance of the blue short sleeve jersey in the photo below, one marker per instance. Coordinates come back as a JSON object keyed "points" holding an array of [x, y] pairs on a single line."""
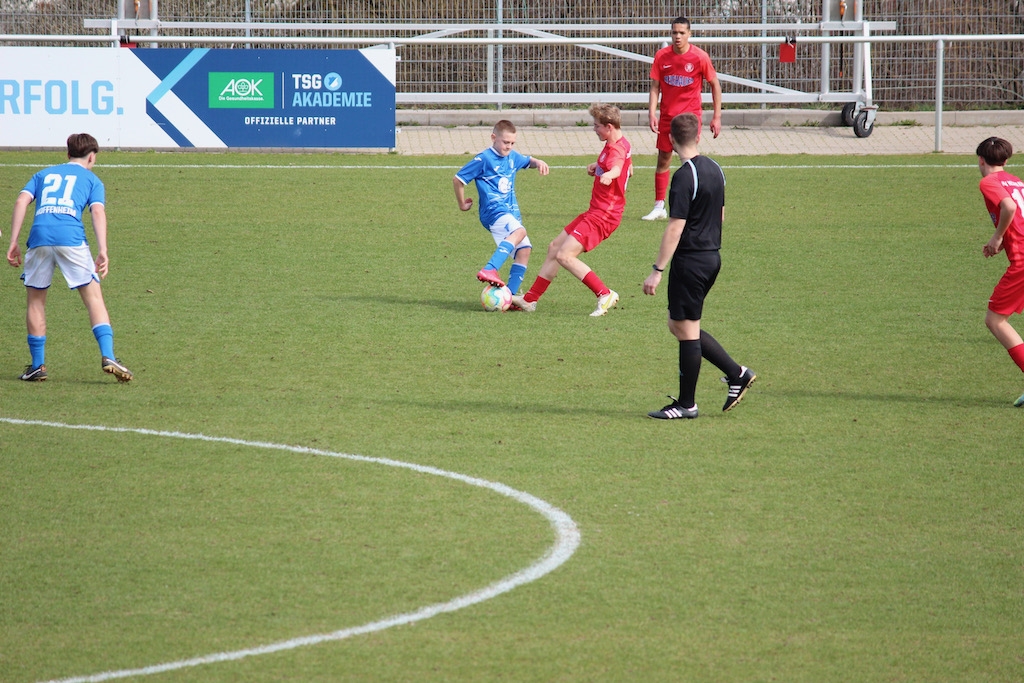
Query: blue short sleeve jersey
{"points": [[61, 194], [495, 178]]}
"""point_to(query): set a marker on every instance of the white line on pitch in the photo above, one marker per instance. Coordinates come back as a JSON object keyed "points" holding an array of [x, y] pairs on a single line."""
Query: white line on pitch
{"points": [[420, 167], [567, 539]]}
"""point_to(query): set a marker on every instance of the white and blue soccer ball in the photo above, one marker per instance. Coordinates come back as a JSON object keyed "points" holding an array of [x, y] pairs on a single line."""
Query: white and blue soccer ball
{"points": [[496, 298]]}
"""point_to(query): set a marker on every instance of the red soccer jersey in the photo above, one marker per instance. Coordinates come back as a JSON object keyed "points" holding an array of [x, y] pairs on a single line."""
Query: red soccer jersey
{"points": [[611, 199], [994, 188], [682, 79]]}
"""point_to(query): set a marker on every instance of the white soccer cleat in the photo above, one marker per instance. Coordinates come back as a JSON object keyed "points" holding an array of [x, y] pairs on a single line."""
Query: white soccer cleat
{"points": [[656, 214], [605, 303], [522, 304]]}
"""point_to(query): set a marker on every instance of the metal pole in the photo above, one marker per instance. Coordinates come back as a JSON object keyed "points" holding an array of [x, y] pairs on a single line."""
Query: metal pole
{"points": [[501, 53], [868, 95], [154, 14], [248, 18], [940, 55], [826, 49], [490, 63], [858, 57], [764, 48]]}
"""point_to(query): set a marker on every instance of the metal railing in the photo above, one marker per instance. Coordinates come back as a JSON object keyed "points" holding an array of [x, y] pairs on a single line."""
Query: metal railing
{"points": [[860, 110]]}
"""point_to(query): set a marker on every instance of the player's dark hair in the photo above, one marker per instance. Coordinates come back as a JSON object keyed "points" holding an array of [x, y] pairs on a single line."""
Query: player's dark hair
{"points": [[681, 20], [606, 114], [685, 128], [995, 151], [81, 144], [504, 126]]}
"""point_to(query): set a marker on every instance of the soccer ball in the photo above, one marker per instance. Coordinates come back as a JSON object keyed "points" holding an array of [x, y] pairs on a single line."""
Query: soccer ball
{"points": [[496, 298]]}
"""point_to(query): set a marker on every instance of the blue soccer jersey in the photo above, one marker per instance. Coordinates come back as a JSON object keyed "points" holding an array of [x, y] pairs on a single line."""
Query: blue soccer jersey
{"points": [[495, 178], [61, 194]]}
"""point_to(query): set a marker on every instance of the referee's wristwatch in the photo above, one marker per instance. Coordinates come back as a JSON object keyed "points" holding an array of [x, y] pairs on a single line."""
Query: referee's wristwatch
{"points": [[660, 270]]}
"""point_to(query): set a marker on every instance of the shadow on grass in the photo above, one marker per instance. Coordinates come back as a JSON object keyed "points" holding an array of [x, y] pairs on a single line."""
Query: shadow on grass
{"points": [[952, 401], [391, 300], [542, 410], [469, 305]]}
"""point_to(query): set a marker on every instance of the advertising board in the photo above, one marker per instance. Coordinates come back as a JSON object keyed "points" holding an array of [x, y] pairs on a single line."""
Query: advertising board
{"points": [[205, 98]]}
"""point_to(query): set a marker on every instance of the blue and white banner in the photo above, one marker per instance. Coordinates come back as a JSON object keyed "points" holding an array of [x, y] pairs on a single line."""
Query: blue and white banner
{"points": [[208, 98]]}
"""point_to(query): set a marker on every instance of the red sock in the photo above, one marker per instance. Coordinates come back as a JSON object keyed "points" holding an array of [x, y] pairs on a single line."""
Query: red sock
{"points": [[1017, 354], [661, 186], [595, 284], [539, 286]]}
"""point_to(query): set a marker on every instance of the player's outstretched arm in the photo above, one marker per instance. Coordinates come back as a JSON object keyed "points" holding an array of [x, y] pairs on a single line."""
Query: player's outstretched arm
{"points": [[540, 165]]}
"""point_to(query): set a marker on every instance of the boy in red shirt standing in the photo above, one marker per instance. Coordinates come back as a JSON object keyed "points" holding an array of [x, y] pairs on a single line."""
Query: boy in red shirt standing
{"points": [[677, 79], [611, 172], [1004, 199]]}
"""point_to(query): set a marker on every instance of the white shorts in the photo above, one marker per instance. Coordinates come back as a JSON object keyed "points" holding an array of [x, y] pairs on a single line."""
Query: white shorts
{"points": [[505, 226], [74, 262]]}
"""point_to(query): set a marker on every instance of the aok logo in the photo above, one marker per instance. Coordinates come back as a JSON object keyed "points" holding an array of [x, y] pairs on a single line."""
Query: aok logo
{"points": [[230, 90]]}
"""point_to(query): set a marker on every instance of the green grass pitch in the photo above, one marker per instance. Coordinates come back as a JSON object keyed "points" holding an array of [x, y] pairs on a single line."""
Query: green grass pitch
{"points": [[858, 517]]}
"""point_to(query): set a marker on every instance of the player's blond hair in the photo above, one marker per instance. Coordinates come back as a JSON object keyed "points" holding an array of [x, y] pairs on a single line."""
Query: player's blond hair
{"points": [[606, 114]]}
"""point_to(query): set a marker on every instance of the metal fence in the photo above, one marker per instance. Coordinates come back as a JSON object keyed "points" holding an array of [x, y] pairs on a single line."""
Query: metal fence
{"points": [[977, 74]]}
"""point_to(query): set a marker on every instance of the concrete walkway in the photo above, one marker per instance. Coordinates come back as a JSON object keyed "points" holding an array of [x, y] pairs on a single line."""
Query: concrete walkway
{"points": [[800, 133]]}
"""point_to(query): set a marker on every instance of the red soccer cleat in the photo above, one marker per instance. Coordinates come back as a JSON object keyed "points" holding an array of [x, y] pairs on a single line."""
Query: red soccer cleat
{"points": [[491, 277]]}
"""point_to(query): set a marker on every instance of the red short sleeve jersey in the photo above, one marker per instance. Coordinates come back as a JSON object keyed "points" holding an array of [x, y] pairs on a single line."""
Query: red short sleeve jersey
{"points": [[994, 188], [682, 79], [611, 199]]}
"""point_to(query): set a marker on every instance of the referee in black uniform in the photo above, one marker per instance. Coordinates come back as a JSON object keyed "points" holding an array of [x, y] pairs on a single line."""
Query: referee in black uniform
{"points": [[691, 243]]}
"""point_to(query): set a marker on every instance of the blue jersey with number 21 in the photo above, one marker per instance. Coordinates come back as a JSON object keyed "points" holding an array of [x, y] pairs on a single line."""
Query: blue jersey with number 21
{"points": [[495, 178], [61, 194]]}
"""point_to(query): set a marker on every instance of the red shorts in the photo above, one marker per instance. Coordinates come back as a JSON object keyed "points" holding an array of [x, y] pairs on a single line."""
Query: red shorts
{"points": [[591, 228], [1008, 296], [664, 143]]}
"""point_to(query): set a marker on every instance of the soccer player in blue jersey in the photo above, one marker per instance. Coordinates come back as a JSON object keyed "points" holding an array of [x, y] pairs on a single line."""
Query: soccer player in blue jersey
{"points": [[57, 238], [494, 171]]}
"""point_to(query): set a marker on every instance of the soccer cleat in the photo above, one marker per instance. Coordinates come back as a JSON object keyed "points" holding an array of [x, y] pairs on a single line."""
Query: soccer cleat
{"points": [[114, 367], [656, 214], [34, 374], [521, 304], [674, 411], [605, 303], [737, 390], [1019, 402], [491, 277]]}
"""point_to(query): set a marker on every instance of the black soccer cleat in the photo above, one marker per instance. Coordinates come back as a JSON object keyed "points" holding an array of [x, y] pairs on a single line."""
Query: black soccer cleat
{"points": [[34, 374], [740, 387], [674, 411]]}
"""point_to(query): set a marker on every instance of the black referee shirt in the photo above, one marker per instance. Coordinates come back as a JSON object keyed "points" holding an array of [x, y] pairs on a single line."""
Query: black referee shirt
{"points": [[697, 195]]}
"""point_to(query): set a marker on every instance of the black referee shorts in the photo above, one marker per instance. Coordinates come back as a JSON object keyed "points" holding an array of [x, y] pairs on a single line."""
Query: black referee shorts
{"points": [[692, 276]]}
